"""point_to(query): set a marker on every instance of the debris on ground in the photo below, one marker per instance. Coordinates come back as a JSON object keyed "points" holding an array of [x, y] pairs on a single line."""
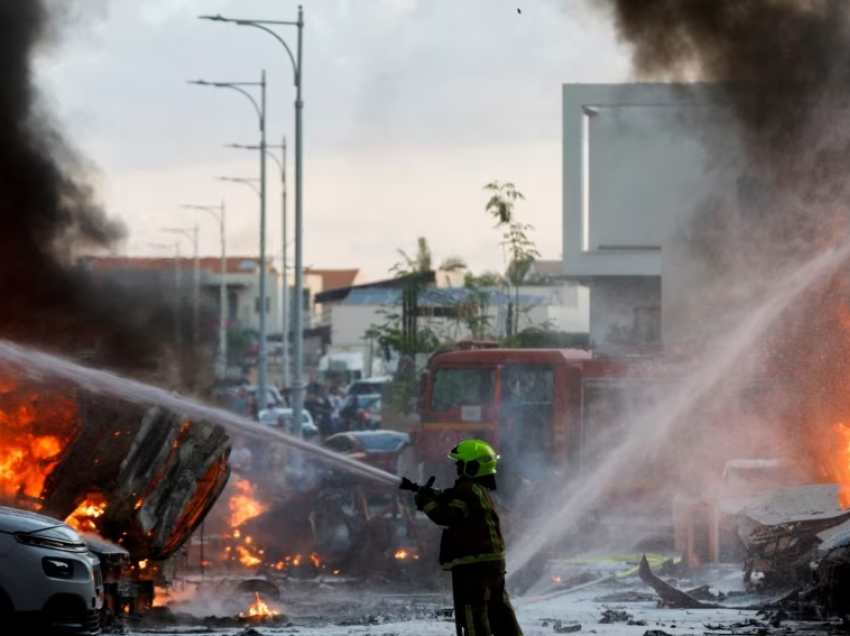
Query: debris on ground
{"points": [[561, 628], [610, 616], [669, 595]]}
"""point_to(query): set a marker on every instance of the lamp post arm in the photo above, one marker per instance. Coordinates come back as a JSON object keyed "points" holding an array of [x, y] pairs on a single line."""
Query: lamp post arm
{"points": [[295, 68], [257, 109]]}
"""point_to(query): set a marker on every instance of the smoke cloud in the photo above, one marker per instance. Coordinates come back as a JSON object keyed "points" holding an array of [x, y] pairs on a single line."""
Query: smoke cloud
{"points": [[782, 72], [49, 215], [779, 88]]}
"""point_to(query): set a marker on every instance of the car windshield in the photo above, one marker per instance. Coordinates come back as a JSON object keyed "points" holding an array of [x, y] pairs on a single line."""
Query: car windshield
{"points": [[382, 441]]}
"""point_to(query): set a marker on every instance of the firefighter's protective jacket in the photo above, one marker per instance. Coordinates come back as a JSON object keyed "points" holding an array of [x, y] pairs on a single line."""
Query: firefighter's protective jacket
{"points": [[472, 533]]}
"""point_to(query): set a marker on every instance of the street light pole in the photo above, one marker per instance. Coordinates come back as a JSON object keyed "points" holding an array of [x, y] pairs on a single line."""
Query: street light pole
{"points": [[298, 326], [218, 212], [262, 381], [192, 235], [262, 384], [177, 296], [284, 318]]}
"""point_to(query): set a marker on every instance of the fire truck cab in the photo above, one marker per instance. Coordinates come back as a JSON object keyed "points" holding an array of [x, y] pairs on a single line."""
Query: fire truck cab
{"points": [[523, 399]]}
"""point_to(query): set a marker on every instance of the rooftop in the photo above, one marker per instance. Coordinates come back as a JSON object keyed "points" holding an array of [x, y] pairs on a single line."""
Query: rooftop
{"points": [[234, 264], [334, 278]]}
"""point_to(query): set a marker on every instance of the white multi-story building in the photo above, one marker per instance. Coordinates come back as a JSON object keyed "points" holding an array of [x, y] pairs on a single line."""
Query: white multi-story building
{"points": [[636, 168]]}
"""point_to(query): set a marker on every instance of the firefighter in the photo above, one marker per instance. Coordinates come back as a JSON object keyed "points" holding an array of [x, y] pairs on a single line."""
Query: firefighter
{"points": [[472, 547]]}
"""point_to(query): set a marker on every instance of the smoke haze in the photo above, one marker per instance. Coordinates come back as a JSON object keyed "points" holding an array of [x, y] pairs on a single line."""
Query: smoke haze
{"points": [[49, 214]]}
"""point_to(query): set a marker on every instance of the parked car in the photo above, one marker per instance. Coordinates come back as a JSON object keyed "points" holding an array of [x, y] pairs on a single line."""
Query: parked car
{"points": [[283, 416], [368, 412], [49, 579], [368, 386], [376, 448]]}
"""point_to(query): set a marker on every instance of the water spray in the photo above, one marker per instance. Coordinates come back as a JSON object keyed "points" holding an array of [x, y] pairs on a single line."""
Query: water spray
{"points": [[649, 427], [36, 364]]}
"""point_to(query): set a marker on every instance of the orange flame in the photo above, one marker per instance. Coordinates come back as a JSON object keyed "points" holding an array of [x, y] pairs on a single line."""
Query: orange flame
{"points": [[317, 561], [556, 579], [35, 430], [83, 518], [243, 504], [841, 465], [259, 609], [401, 554], [246, 558]]}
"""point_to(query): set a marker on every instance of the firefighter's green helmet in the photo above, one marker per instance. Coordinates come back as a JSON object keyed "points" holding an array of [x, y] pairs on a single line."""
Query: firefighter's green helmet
{"points": [[479, 458]]}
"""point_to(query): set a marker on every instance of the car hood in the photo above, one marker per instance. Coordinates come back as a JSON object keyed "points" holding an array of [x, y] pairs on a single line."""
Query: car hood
{"points": [[15, 520]]}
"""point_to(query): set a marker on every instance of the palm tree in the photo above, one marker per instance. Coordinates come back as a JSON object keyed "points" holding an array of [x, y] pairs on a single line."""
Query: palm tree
{"points": [[453, 264], [501, 203], [421, 263], [515, 238]]}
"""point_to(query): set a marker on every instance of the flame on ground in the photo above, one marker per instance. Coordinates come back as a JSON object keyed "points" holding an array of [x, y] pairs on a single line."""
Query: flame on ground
{"points": [[244, 504], [83, 518], [556, 579], [259, 609]]}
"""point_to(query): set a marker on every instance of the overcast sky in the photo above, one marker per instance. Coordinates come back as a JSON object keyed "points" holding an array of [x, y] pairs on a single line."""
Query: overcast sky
{"points": [[411, 107]]}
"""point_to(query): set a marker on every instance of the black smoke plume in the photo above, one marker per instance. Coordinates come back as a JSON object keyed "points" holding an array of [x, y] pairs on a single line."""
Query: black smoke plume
{"points": [[48, 215]]}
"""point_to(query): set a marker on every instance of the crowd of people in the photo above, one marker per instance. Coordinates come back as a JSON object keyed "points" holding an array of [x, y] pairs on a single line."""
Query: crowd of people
{"points": [[331, 409]]}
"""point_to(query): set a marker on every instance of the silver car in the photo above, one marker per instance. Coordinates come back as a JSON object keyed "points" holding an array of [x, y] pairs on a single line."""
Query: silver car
{"points": [[49, 580]]}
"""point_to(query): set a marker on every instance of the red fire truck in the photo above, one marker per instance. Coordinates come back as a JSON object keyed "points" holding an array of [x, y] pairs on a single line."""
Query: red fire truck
{"points": [[548, 410]]}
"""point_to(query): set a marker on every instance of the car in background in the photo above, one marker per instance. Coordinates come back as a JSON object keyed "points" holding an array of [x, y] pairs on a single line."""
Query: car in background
{"points": [[368, 386], [49, 579], [368, 412], [283, 417], [380, 449]]}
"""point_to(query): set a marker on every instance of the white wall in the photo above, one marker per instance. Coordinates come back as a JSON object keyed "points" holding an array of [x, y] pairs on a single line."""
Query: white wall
{"points": [[246, 286], [635, 168], [566, 308]]}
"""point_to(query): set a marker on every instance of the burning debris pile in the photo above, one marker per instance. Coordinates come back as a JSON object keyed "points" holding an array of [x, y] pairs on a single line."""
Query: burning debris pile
{"points": [[142, 479], [333, 528]]}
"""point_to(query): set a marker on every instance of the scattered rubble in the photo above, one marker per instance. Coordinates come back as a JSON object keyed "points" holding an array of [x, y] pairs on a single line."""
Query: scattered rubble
{"points": [[614, 616]]}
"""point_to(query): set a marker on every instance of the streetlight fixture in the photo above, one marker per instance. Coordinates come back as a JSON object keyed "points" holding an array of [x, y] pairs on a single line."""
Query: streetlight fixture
{"points": [[297, 68], [284, 309], [191, 234], [260, 108], [248, 181], [218, 212]]}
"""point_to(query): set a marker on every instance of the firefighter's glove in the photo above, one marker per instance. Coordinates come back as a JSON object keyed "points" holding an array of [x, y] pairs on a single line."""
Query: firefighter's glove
{"points": [[422, 499]]}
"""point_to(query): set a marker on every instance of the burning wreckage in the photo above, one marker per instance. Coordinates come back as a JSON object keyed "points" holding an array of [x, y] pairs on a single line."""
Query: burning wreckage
{"points": [[794, 543], [152, 494], [136, 483]]}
